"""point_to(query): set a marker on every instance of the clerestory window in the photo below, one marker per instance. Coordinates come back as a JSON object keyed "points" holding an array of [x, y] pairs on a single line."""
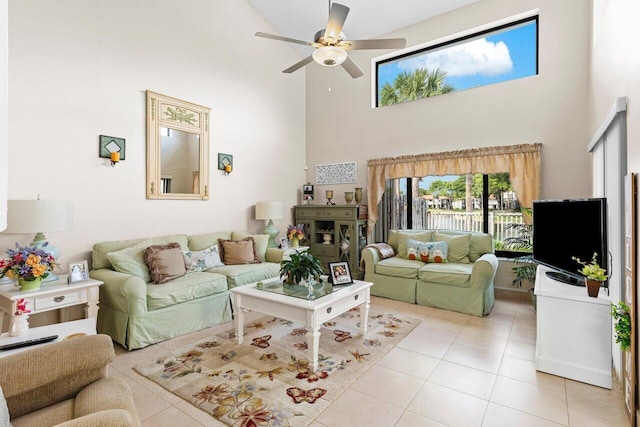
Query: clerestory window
{"points": [[498, 54]]}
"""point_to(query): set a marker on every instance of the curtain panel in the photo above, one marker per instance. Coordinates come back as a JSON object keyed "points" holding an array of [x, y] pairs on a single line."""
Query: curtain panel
{"points": [[522, 162]]}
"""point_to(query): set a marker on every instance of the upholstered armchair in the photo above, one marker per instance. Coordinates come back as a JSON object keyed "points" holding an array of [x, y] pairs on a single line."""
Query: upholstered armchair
{"points": [[66, 384]]}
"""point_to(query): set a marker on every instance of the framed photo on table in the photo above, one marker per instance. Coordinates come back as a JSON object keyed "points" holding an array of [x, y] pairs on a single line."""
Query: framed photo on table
{"points": [[78, 271], [284, 242], [340, 273]]}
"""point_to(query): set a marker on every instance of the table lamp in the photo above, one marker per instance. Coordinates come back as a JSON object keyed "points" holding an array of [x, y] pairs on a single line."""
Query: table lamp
{"points": [[38, 216], [270, 211]]}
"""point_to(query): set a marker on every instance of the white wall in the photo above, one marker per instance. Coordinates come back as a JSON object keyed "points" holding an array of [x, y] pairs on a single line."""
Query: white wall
{"points": [[614, 68], [79, 69], [4, 103], [549, 108]]}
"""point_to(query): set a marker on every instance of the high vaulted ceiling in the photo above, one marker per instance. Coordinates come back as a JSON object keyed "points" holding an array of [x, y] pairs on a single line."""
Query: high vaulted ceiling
{"points": [[301, 19]]}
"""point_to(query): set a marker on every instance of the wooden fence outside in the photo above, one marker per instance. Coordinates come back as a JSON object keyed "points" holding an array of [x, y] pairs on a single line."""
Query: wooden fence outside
{"points": [[424, 218]]}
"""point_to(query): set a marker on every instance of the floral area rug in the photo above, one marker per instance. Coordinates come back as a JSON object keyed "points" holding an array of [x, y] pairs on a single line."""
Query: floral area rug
{"points": [[267, 380]]}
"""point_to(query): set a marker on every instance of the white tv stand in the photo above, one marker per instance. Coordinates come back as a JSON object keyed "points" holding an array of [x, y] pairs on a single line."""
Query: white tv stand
{"points": [[573, 331]]}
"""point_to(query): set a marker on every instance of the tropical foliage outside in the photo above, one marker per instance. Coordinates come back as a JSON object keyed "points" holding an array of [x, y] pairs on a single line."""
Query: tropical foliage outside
{"points": [[418, 84]]}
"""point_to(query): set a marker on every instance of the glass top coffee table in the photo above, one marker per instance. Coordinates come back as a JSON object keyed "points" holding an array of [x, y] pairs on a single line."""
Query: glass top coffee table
{"points": [[328, 302]]}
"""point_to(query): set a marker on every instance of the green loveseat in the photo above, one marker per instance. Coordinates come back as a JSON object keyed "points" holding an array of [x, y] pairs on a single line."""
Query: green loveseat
{"points": [[464, 285], [136, 313]]}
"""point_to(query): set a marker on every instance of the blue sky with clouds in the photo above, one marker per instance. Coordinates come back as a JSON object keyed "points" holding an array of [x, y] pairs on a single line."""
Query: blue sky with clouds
{"points": [[507, 55]]}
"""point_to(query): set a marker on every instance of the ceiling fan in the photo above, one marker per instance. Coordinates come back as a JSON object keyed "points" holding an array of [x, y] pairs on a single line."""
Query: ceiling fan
{"points": [[331, 44]]}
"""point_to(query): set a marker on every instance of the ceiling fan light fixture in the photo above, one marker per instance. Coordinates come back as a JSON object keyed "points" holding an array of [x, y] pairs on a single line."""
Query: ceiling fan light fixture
{"points": [[329, 56]]}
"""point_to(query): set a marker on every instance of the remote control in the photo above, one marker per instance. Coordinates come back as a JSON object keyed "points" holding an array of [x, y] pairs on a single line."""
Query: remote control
{"points": [[27, 343]]}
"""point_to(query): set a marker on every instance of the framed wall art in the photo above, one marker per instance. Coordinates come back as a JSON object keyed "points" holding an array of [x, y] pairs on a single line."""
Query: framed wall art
{"points": [[337, 173]]}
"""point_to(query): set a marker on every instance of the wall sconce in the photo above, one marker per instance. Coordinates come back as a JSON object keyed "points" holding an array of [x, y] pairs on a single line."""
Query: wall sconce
{"points": [[225, 163], [112, 148]]}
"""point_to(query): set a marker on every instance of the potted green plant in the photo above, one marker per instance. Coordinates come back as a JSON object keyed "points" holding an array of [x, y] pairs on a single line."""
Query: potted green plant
{"points": [[622, 318], [593, 273], [300, 267], [525, 270]]}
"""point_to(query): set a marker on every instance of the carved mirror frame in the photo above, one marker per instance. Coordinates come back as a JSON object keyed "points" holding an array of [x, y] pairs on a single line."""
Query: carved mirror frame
{"points": [[171, 113]]}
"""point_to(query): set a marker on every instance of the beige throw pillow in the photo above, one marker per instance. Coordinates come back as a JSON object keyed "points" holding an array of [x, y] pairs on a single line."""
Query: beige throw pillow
{"points": [[165, 262], [238, 252]]}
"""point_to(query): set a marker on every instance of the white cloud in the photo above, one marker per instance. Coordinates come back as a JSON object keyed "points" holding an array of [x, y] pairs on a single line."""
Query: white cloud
{"points": [[476, 57]]}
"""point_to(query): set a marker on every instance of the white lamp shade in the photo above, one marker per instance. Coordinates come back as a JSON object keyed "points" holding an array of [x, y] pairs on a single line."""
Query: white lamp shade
{"points": [[269, 210], [36, 216]]}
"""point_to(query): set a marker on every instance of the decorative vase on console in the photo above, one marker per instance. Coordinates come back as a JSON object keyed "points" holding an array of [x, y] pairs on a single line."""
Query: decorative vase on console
{"points": [[29, 285], [358, 195], [20, 321], [19, 325], [295, 243], [348, 197]]}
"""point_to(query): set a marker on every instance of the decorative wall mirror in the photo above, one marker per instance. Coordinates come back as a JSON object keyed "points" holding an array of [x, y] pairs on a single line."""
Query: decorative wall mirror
{"points": [[177, 149]]}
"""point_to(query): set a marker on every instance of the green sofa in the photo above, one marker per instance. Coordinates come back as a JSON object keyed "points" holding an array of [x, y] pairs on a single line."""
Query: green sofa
{"points": [[464, 285], [136, 313]]}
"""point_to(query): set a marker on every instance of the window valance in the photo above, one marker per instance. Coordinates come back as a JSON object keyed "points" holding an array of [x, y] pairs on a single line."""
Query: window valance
{"points": [[522, 162]]}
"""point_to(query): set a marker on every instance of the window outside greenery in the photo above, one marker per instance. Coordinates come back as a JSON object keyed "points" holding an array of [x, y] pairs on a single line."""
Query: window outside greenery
{"points": [[458, 202], [497, 55]]}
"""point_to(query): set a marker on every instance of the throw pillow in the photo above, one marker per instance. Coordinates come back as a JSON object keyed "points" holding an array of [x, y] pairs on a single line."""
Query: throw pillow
{"points": [[424, 236], [202, 260], [165, 262], [236, 252], [458, 246], [131, 261], [261, 240], [4, 411], [434, 252]]}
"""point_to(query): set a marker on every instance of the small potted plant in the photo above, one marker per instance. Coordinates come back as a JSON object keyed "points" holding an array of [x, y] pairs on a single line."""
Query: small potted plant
{"points": [[622, 317], [28, 265], [295, 233], [593, 273], [300, 267]]}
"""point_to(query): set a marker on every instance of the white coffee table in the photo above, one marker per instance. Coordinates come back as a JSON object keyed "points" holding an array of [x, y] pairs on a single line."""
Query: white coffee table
{"points": [[62, 330], [311, 313]]}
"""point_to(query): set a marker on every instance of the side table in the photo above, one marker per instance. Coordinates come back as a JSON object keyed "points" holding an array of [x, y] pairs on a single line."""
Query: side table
{"points": [[52, 296], [66, 330]]}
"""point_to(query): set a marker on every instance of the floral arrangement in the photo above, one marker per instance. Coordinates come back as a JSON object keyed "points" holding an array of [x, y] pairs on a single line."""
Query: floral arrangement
{"points": [[26, 262], [295, 232], [592, 270], [21, 307]]}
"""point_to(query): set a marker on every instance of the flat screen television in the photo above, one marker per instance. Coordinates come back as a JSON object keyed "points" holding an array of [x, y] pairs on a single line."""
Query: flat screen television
{"points": [[563, 229]]}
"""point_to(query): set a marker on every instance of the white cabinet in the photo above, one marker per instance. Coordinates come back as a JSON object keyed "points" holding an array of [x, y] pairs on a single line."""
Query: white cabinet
{"points": [[573, 331]]}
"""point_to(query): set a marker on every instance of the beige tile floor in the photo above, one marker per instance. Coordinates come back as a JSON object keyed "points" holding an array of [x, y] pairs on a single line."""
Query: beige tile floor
{"points": [[451, 370]]}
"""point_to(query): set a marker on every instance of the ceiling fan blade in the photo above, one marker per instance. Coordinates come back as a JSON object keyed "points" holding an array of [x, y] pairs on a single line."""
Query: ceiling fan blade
{"points": [[352, 68], [374, 44], [298, 65], [286, 39], [337, 16]]}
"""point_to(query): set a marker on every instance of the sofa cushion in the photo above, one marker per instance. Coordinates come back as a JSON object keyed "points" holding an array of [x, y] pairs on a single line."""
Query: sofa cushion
{"points": [[199, 242], [185, 288], [402, 236], [238, 252], [165, 262], [238, 275], [458, 275], [427, 252], [261, 240], [480, 244], [131, 260], [100, 250], [458, 246], [203, 260], [399, 267]]}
